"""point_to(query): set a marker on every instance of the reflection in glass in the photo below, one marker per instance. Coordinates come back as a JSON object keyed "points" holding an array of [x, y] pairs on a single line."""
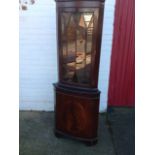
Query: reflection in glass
{"points": [[77, 34]]}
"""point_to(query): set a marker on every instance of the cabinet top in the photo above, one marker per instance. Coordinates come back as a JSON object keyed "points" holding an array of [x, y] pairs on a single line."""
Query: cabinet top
{"points": [[78, 0]]}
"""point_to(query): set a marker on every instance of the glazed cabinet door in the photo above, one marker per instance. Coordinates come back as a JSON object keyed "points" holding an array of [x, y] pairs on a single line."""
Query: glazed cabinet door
{"points": [[77, 44]]}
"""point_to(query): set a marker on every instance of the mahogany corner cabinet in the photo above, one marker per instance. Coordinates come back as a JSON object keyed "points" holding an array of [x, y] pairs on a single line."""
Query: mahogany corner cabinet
{"points": [[79, 33]]}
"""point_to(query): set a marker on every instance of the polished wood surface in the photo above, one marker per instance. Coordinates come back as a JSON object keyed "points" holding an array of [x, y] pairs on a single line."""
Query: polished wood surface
{"points": [[77, 114]]}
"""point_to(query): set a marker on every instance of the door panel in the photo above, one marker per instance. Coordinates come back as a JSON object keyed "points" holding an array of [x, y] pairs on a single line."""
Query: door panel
{"points": [[122, 73], [77, 33]]}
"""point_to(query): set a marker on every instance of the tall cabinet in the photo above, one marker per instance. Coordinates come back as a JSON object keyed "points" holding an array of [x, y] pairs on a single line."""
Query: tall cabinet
{"points": [[79, 32]]}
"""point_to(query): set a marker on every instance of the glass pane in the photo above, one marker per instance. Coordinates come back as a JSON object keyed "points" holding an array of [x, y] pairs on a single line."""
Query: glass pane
{"points": [[68, 71], [77, 37]]}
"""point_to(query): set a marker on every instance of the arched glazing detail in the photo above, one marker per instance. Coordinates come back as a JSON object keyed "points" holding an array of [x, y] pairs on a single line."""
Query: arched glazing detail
{"points": [[77, 31]]}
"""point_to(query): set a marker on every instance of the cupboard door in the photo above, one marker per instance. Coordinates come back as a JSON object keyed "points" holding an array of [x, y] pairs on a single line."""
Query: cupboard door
{"points": [[77, 116], [77, 31]]}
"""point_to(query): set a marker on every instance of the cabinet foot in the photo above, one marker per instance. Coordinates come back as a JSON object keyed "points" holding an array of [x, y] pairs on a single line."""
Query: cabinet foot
{"points": [[91, 143], [57, 135]]}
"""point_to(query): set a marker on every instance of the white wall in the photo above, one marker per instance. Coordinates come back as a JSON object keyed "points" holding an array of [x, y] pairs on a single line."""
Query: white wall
{"points": [[38, 58], [106, 52], [38, 66]]}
